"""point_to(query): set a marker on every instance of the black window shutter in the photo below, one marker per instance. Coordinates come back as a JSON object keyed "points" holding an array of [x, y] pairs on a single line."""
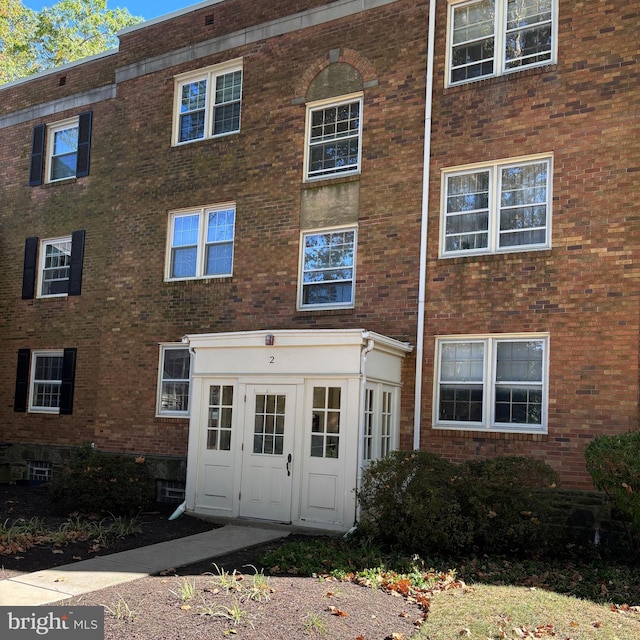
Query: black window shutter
{"points": [[22, 381], [75, 268], [37, 155], [84, 143], [68, 382], [29, 269]]}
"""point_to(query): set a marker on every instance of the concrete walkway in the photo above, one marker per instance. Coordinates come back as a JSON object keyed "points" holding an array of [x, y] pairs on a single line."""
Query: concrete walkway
{"points": [[68, 581]]}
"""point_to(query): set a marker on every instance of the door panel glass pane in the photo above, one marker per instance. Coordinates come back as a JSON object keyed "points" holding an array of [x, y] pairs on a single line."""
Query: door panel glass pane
{"points": [[269, 424], [219, 426]]}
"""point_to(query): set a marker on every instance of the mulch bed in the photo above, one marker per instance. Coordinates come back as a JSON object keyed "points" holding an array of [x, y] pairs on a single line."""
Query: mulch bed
{"points": [[223, 603]]}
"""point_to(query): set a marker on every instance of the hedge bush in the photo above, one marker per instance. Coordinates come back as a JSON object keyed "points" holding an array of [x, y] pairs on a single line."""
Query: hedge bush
{"points": [[102, 483], [417, 502], [614, 465]]}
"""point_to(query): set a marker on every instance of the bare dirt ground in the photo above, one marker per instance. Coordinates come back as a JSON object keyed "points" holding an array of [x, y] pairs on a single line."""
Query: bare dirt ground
{"points": [[229, 596]]}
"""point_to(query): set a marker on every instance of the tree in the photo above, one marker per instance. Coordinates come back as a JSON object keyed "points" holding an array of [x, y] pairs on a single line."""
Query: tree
{"points": [[32, 41]]}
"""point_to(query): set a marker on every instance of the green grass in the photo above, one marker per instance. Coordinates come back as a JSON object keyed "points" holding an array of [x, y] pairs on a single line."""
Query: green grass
{"points": [[487, 612]]}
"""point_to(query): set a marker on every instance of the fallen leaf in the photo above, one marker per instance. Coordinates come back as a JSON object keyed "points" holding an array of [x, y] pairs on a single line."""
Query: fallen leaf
{"points": [[57, 551], [597, 624], [185, 607], [336, 612], [59, 579]]}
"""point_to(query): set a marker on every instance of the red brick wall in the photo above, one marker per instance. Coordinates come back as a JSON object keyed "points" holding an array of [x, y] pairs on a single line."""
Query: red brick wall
{"points": [[584, 290], [137, 177]]}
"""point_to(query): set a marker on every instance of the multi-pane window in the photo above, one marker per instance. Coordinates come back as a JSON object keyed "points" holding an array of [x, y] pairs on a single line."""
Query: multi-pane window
{"points": [[208, 103], [46, 381], [494, 383], [493, 37], [325, 424], [334, 134], [268, 431], [56, 266], [175, 371], [328, 269], [220, 416], [500, 207], [379, 421], [201, 243]]}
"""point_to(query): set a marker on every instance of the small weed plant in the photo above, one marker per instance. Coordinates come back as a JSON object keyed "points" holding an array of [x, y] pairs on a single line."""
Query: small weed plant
{"points": [[121, 610]]}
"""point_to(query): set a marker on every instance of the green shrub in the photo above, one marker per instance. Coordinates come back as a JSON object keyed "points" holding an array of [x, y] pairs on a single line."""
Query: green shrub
{"points": [[102, 483], [409, 502], [614, 465], [511, 499], [417, 502]]}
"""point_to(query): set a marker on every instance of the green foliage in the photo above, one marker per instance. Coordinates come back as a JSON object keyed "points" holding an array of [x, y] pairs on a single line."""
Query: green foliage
{"points": [[614, 465], [417, 502], [32, 41], [103, 483]]}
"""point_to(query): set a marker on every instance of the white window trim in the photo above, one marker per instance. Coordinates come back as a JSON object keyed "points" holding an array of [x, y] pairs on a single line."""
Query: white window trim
{"points": [[41, 261], [376, 415], [209, 74], [200, 256], [499, 56], [51, 130], [494, 197], [338, 305], [160, 413], [32, 374], [488, 424], [323, 104]]}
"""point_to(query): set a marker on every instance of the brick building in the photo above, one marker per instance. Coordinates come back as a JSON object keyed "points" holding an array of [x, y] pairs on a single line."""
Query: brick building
{"points": [[226, 252]]}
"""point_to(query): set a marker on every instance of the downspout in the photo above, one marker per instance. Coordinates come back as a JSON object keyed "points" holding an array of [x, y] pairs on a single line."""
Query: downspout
{"points": [[424, 225], [366, 349], [192, 352]]}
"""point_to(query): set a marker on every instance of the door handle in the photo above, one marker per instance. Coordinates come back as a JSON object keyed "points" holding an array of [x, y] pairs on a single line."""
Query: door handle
{"points": [[288, 463]]}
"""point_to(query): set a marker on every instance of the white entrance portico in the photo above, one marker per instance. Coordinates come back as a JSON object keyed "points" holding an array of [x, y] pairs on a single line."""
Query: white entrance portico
{"points": [[282, 421]]}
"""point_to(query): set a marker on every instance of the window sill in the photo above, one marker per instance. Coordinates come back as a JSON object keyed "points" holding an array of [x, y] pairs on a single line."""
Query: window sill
{"points": [[505, 77], [493, 257], [480, 432], [57, 183], [302, 313], [330, 180]]}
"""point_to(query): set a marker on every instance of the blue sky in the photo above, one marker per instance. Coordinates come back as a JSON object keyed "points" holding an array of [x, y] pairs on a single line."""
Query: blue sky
{"points": [[148, 9]]}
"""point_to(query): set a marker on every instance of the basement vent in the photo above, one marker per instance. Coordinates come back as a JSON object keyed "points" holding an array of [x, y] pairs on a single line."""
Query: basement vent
{"points": [[169, 491], [40, 471], [208, 20], [63, 81]]}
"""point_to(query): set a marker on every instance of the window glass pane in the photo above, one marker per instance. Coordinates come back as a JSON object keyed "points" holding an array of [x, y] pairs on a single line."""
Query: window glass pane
{"points": [[462, 361], [461, 403], [269, 424], [47, 380], [55, 272], [176, 364], [192, 110], [334, 139], [473, 40], [328, 268], [528, 34], [220, 417], [467, 211], [185, 246], [519, 361], [219, 252], [226, 114]]}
